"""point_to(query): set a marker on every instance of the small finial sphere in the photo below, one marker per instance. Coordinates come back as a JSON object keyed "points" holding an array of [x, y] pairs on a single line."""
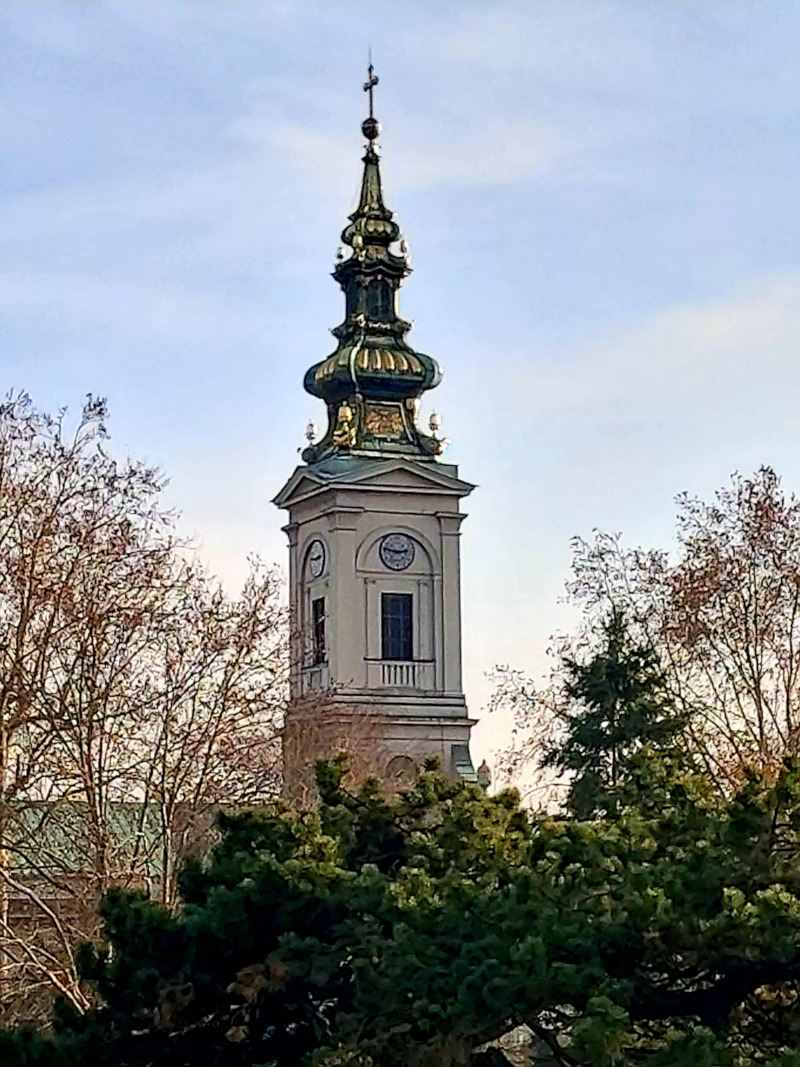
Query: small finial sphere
{"points": [[371, 129]]}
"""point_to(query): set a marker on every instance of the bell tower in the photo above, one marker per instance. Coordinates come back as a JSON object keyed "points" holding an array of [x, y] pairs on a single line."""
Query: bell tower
{"points": [[374, 514]]}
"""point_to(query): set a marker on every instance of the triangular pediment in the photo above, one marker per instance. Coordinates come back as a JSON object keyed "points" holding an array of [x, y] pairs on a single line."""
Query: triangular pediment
{"points": [[391, 475], [301, 484]]}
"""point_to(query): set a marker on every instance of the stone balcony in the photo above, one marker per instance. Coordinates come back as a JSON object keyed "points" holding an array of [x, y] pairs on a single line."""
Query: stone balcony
{"points": [[316, 676], [400, 674]]}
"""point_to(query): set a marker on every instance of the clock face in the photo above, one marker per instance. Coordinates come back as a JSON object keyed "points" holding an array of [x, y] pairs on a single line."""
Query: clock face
{"points": [[315, 560], [397, 551]]}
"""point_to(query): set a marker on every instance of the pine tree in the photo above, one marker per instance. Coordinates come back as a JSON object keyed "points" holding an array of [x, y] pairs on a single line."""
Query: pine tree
{"points": [[617, 705], [412, 930]]}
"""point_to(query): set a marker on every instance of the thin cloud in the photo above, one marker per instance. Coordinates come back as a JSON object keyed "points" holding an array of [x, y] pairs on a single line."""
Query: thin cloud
{"points": [[737, 347], [587, 38], [509, 153], [162, 315]]}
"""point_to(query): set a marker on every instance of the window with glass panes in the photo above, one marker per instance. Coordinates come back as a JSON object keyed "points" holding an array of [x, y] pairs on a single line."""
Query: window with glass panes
{"points": [[318, 629], [397, 630]]}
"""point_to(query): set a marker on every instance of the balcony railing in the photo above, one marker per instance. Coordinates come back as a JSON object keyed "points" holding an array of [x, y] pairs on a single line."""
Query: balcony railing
{"points": [[400, 674], [316, 676]]}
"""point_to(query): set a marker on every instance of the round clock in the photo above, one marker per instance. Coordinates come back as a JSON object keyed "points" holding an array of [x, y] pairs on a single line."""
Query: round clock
{"points": [[315, 559], [397, 551]]}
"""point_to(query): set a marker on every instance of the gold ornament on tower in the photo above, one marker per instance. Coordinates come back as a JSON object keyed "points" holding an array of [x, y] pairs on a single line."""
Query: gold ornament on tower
{"points": [[344, 434], [384, 421]]}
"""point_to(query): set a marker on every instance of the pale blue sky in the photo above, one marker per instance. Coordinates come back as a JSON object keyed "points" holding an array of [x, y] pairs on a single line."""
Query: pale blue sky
{"points": [[602, 203]]}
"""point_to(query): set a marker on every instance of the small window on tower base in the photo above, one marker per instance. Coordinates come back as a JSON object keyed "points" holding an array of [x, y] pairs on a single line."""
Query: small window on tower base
{"points": [[318, 651]]}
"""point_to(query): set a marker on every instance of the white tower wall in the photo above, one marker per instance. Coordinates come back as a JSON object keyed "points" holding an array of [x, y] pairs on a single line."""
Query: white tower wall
{"points": [[349, 506]]}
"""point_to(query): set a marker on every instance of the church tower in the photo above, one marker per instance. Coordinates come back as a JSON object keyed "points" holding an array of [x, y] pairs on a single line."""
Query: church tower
{"points": [[374, 516]]}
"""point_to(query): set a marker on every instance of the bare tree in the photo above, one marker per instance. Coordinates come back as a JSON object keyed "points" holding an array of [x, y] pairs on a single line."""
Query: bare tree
{"points": [[538, 714], [221, 677], [135, 696], [317, 728], [74, 528], [722, 612]]}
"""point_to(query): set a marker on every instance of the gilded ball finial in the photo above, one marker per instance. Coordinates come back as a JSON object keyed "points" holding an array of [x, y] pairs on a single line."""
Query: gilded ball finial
{"points": [[371, 128]]}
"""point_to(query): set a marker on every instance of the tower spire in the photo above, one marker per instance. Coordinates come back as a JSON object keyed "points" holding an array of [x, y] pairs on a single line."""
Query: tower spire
{"points": [[371, 220], [373, 381]]}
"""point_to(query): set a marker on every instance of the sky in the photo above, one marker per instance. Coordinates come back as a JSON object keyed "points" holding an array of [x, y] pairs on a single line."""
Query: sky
{"points": [[602, 204]]}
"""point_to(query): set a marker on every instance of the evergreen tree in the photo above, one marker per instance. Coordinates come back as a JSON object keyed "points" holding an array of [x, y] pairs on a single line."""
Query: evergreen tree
{"points": [[415, 929], [617, 704]]}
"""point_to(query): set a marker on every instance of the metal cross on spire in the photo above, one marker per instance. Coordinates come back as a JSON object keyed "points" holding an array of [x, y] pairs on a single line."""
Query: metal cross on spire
{"points": [[370, 83], [370, 127]]}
